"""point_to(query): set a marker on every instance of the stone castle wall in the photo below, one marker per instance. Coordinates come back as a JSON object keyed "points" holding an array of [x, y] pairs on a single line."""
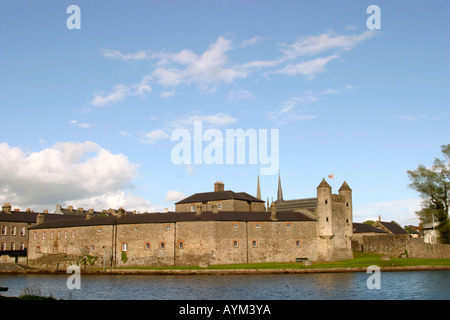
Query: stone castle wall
{"points": [[181, 243], [396, 245]]}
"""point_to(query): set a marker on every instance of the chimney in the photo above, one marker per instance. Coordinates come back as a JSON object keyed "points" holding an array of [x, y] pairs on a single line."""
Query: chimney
{"points": [[80, 211], [28, 210], [120, 212], [198, 210], [215, 208], [40, 219], [70, 208], [90, 214], [46, 211], [7, 208], [219, 186], [273, 212]]}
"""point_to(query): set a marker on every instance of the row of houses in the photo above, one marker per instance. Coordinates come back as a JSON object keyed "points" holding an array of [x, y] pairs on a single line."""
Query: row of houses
{"points": [[218, 227]]}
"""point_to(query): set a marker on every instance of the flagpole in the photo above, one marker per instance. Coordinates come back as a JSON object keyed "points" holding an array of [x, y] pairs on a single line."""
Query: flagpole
{"points": [[331, 176]]}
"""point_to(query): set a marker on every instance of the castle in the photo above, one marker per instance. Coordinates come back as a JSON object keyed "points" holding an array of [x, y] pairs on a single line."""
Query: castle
{"points": [[217, 227]]}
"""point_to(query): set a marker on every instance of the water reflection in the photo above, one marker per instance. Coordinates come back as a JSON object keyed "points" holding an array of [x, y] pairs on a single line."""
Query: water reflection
{"points": [[326, 286]]}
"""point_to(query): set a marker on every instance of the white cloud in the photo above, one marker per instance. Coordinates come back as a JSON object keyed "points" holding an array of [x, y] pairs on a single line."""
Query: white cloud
{"points": [[167, 94], [81, 125], [207, 70], [213, 120], [155, 135], [290, 111], [174, 196], [313, 45], [307, 68], [240, 94], [213, 67], [120, 92], [139, 55], [402, 211], [410, 117], [65, 172], [294, 108], [115, 200]]}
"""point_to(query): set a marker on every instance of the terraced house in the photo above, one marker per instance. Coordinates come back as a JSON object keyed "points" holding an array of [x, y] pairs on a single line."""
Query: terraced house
{"points": [[219, 227]]}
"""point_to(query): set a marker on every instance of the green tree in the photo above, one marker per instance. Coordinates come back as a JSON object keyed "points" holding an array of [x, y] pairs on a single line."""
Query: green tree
{"points": [[433, 185]]}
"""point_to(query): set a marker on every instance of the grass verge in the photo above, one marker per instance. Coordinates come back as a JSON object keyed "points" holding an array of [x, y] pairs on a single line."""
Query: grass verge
{"points": [[360, 260]]}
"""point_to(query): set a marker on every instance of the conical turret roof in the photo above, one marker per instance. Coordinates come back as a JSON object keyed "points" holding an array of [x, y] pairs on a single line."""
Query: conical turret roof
{"points": [[324, 184], [345, 187]]}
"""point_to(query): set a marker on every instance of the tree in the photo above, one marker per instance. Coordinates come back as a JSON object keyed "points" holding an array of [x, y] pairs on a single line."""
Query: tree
{"points": [[433, 186]]}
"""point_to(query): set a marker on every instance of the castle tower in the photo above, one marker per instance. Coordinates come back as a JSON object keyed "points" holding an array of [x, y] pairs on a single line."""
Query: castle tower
{"points": [[324, 210], [346, 192]]}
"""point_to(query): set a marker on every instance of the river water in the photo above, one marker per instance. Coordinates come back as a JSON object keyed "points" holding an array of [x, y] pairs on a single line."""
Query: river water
{"points": [[421, 285]]}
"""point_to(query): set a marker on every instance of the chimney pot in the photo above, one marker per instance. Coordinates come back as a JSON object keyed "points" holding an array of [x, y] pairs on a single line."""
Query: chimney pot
{"points": [[273, 213], [7, 208], [120, 212], [219, 186], [198, 210], [40, 219]]}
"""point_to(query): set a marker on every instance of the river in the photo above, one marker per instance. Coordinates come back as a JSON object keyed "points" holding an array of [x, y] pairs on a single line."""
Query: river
{"points": [[411, 285]]}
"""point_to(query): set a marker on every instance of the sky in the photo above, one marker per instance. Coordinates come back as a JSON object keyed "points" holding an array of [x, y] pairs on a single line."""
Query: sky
{"points": [[93, 100]]}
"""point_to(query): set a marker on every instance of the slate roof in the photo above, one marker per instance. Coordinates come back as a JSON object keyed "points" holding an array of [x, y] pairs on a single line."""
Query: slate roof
{"points": [[30, 217], [219, 195], [170, 217], [365, 228], [393, 227], [291, 205]]}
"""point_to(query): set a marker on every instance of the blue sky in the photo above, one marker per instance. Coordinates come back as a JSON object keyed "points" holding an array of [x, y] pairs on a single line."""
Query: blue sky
{"points": [[88, 114]]}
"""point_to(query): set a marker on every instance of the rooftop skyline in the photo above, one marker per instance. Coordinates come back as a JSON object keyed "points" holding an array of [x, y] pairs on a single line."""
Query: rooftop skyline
{"points": [[88, 113]]}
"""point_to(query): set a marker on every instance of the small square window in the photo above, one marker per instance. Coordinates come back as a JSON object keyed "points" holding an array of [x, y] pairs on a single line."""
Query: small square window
{"points": [[162, 245], [219, 206], [288, 225], [124, 247], [235, 225], [298, 243], [55, 248], [147, 246], [254, 243], [92, 248], [193, 208], [135, 228], [167, 227], [235, 244], [258, 226], [38, 249], [99, 230], [181, 245]]}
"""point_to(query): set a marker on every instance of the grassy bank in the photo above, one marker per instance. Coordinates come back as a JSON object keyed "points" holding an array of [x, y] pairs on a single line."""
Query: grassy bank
{"points": [[360, 260]]}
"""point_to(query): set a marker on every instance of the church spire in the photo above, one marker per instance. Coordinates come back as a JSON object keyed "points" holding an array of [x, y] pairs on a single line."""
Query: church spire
{"points": [[258, 190], [280, 191]]}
